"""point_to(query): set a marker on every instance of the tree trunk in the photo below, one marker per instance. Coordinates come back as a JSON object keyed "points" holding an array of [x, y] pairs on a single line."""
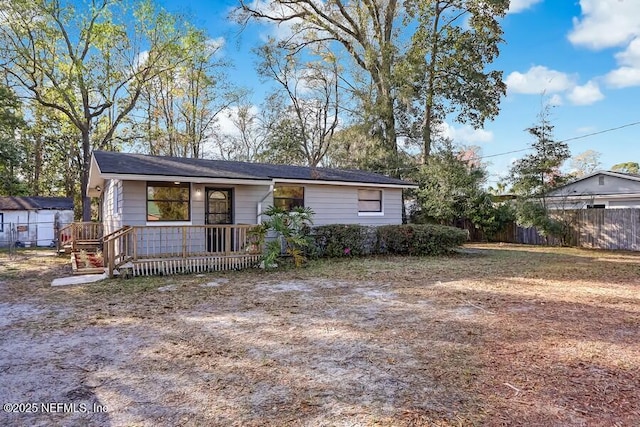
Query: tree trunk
{"points": [[84, 183]]}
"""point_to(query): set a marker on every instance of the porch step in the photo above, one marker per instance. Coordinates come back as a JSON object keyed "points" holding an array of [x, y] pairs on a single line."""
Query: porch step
{"points": [[88, 244]]}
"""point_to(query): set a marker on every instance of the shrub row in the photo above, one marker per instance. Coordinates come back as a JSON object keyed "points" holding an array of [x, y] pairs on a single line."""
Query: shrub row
{"points": [[339, 240]]}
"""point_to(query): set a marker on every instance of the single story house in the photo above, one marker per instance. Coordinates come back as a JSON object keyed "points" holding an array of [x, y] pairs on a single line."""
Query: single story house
{"points": [[185, 207], [33, 221], [601, 189]]}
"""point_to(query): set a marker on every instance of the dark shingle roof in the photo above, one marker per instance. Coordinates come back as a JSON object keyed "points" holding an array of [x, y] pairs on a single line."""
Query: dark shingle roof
{"points": [[15, 203], [141, 164]]}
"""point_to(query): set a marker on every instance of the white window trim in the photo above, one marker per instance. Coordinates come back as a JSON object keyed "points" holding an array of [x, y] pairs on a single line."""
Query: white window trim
{"points": [[371, 213], [166, 223]]}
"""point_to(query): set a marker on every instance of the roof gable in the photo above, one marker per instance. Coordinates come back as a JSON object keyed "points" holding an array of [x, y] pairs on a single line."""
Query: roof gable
{"points": [[601, 183], [156, 166], [15, 203]]}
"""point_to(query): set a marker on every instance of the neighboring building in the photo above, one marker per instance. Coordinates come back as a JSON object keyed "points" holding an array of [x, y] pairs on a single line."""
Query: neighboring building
{"points": [[601, 189], [33, 220], [144, 190]]}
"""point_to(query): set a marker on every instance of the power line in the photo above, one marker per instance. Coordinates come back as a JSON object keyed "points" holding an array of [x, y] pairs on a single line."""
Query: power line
{"points": [[528, 148]]}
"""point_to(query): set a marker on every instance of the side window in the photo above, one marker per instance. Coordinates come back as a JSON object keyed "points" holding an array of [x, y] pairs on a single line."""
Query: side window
{"points": [[288, 197], [369, 201]]}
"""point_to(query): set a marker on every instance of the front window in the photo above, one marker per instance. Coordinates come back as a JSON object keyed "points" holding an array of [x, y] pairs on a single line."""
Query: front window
{"points": [[288, 197], [168, 201], [369, 200]]}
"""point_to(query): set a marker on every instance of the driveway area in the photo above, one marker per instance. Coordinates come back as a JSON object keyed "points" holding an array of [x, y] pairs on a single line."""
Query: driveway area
{"points": [[494, 335]]}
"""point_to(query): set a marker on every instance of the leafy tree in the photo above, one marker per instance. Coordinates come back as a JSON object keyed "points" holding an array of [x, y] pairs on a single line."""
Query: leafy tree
{"points": [[354, 147], [535, 175], [11, 156], [628, 167], [585, 163], [427, 55], [451, 189], [446, 64], [90, 62]]}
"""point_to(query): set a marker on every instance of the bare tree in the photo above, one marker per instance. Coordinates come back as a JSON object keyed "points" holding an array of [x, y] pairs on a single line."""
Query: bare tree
{"points": [[311, 105]]}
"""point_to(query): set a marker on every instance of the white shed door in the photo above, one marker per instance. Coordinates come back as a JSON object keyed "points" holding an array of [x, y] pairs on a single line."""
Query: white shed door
{"points": [[45, 227]]}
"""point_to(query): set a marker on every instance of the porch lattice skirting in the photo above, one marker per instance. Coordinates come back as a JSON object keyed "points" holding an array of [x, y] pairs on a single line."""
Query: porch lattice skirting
{"points": [[154, 267]]}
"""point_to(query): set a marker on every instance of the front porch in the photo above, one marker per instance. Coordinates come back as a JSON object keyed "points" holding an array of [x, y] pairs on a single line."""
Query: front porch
{"points": [[168, 249]]}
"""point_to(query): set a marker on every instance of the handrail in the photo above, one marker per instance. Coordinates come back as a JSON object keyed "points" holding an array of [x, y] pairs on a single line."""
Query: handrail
{"points": [[116, 256], [111, 235]]}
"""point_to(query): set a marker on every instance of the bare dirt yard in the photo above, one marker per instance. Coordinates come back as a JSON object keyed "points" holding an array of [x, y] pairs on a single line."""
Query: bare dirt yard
{"points": [[495, 335]]}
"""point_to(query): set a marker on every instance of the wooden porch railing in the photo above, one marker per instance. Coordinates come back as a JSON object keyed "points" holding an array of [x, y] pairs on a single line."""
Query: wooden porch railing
{"points": [[137, 243], [77, 233], [116, 248]]}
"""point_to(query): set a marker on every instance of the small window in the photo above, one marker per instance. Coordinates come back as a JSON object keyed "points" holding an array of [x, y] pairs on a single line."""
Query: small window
{"points": [[369, 200], [596, 206], [288, 197], [168, 201], [601, 180], [1, 222]]}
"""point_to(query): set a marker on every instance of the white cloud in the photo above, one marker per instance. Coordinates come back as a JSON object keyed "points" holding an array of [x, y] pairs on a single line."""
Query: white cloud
{"points": [[631, 55], [517, 6], [555, 100], [539, 79], [606, 23], [586, 94], [465, 134], [623, 77], [628, 74]]}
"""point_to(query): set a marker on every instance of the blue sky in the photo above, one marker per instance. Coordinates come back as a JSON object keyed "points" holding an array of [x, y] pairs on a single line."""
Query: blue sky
{"points": [[582, 56]]}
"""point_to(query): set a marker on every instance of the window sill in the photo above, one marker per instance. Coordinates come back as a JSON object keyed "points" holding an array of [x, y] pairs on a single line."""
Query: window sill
{"points": [[370, 213], [165, 223]]}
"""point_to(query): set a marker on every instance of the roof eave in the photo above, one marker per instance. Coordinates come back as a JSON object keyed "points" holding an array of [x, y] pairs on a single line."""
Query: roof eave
{"points": [[344, 183]]}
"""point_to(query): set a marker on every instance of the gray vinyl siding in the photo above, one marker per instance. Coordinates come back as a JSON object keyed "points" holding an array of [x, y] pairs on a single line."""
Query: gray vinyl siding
{"points": [[112, 205], [335, 204], [134, 203], [246, 199], [332, 204], [591, 186]]}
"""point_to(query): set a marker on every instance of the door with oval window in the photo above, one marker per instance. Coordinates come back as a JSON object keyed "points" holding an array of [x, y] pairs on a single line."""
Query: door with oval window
{"points": [[219, 211]]}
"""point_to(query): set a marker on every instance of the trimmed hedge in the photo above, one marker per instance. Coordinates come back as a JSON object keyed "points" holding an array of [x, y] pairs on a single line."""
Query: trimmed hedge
{"points": [[340, 240], [419, 239], [337, 240]]}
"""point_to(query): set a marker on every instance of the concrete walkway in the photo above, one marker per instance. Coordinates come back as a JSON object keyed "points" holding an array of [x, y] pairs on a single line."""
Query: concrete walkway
{"points": [[79, 280]]}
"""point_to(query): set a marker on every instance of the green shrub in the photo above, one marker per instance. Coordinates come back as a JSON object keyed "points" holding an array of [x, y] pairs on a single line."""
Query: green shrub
{"points": [[419, 239], [339, 240]]}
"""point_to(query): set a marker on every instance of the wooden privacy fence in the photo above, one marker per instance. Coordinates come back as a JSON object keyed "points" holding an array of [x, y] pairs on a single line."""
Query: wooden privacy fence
{"points": [[588, 228]]}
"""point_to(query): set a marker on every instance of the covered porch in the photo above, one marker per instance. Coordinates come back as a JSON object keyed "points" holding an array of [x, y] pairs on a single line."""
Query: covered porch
{"points": [[172, 249]]}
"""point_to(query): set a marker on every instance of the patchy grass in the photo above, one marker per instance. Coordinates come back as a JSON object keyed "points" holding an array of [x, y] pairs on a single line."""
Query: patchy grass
{"points": [[495, 335]]}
